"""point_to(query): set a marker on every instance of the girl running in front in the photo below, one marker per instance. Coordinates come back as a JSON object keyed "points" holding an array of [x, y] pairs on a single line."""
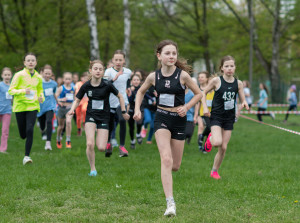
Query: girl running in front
{"points": [[5, 107], [170, 118], [135, 81], [203, 121], [27, 89], [97, 114], [222, 116], [45, 116], [65, 98]]}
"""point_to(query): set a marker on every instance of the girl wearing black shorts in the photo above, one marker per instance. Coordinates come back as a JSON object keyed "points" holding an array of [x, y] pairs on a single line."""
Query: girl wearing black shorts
{"points": [[170, 82]]}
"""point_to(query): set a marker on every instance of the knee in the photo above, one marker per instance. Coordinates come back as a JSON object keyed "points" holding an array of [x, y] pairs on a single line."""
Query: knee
{"points": [[90, 145], [217, 142], [167, 161], [101, 148], [68, 122], [175, 167]]}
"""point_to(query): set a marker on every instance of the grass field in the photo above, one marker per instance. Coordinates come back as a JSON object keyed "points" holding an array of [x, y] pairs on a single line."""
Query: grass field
{"points": [[260, 181]]}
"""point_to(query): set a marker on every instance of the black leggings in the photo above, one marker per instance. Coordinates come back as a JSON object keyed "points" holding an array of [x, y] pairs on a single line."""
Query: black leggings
{"points": [[131, 123], [292, 107], [46, 121], [259, 115], [117, 112], [26, 122]]}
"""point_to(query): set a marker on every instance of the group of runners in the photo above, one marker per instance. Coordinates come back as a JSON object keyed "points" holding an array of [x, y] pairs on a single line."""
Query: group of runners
{"points": [[168, 100]]}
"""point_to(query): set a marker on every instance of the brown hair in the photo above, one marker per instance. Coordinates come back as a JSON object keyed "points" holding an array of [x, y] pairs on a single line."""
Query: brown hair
{"points": [[265, 88], [247, 83], [180, 63], [47, 66], [92, 63], [223, 60], [27, 54], [207, 74], [119, 52], [6, 68]]}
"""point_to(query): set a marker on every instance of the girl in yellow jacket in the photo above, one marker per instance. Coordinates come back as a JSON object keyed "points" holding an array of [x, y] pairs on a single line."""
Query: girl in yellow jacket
{"points": [[27, 89]]}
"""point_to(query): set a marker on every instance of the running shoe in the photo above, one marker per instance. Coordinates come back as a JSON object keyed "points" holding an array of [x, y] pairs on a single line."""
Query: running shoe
{"points": [[114, 143], [48, 146], [272, 114], [139, 140], [132, 145], [68, 144], [215, 175], [123, 151], [108, 150], [171, 210], [58, 145], [143, 133], [149, 142], [93, 173], [26, 160], [207, 145]]}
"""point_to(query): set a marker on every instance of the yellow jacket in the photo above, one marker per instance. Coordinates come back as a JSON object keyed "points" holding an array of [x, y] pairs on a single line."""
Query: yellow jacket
{"points": [[20, 82]]}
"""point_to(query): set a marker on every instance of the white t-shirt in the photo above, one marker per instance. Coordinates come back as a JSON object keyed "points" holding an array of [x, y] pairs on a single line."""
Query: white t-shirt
{"points": [[248, 98], [120, 84]]}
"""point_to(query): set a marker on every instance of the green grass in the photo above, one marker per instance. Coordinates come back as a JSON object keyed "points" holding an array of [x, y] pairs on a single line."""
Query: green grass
{"points": [[260, 181]]}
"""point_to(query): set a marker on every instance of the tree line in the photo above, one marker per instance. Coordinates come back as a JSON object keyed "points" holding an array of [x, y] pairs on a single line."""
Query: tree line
{"points": [[64, 33]]}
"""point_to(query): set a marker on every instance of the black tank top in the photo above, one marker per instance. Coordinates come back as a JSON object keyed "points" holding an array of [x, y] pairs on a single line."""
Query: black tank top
{"points": [[170, 91], [223, 105]]}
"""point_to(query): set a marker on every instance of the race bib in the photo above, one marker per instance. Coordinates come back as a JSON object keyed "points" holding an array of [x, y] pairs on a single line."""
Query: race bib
{"points": [[97, 104], [48, 91], [167, 99], [30, 96], [70, 96], [228, 105], [8, 96], [208, 103]]}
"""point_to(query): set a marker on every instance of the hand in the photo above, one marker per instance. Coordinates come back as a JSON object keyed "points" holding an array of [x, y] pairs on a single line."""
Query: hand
{"points": [[27, 90], [126, 116], [137, 115], [182, 110], [155, 93], [245, 105], [60, 104], [70, 113], [195, 120], [41, 100], [206, 112]]}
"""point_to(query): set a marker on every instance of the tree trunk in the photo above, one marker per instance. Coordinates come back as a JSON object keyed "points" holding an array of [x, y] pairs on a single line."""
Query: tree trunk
{"points": [[5, 29], [126, 46], [23, 22], [92, 19], [251, 21], [205, 42], [274, 75]]}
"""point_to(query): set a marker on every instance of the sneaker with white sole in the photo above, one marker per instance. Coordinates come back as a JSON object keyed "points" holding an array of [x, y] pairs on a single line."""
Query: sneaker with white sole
{"points": [[26, 160], [123, 151], [171, 210], [48, 145], [272, 114]]}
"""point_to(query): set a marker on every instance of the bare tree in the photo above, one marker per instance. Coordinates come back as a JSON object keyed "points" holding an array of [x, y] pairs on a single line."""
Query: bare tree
{"points": [[127, 27], [269, 64], [92, 19]]}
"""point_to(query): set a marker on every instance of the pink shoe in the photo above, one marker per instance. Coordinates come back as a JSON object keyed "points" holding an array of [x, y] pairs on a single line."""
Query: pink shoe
{"points": [[143, 133], [215, 175], [123, 151], [108, 150], [207, 145]]}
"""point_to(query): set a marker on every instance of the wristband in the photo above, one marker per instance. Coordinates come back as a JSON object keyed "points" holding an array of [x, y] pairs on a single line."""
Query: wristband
{"points": [[123, 112]]}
